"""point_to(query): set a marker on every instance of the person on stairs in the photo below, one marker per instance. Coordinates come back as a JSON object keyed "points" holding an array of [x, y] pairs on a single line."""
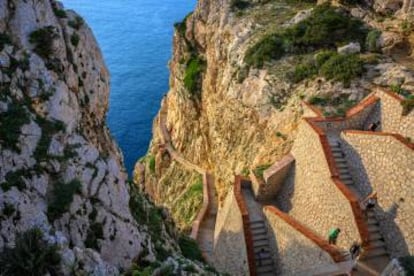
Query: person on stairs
{"points": [[333, 235], [355, 250], [369, 202]]}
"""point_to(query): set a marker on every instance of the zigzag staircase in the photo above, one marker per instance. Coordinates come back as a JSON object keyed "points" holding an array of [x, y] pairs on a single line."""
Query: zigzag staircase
{"points": [[375, 257]]}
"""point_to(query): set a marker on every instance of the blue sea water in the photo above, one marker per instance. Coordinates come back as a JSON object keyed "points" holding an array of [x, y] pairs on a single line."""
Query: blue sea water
{"points": [[136, 40]]}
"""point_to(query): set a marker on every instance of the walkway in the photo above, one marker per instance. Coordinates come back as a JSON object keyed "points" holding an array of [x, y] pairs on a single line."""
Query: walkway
{"points": [[204, 225], [262, 250]]}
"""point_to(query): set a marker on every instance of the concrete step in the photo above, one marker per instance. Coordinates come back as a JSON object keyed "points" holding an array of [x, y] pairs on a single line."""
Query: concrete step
{"points": [[264, 269], [343, 170], [375, 236], [266, 249], [334, 143], [259, 237], [340, 160], [371, 214], [338, 154], [374, 253], [372, 221], [348, 181], [258, 231], [345, 176], [261, 243], [342, 165], [257, 222], [373, 229], [377, 244], [264, 262]]}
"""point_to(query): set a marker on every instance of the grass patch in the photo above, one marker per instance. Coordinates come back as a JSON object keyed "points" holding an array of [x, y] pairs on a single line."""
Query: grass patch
{"points": [[192, 74], [371, 41], [10, 124], [189, 248], [43, 40], [62, 198], [151, 164], [31, 255], [326, 28], [259, 170], [187, 207]]}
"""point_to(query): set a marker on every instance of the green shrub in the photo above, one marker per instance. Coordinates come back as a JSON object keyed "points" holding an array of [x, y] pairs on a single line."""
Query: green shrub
{"points": [[187, 207], [270, 47], [189, 248], [408, 264], [14, 179], [10, 124], [371, 41], [239, 5], [77, 23], [31, 255], [94, 233], [62, 197], [8, 210], [351, 2], [259, 170], [59, 13], [151, 164], [49, 128], [326, 28], [4, 39], [192, 74], [74, 39], [408, 105], [303, 71], [43, 41], [181, 27], [342, 68], [315, 100]]}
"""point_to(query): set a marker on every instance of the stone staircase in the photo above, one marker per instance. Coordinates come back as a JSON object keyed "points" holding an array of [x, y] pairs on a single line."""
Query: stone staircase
{"points": [[375, 257], [263, 257]]}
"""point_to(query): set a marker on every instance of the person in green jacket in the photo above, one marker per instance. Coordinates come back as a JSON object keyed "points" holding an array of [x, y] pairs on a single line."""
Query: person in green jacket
{"points": [[333, 235]]}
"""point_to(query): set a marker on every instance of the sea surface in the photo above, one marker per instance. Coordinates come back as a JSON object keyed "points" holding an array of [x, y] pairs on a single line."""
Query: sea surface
{"points": [[136, 40]]}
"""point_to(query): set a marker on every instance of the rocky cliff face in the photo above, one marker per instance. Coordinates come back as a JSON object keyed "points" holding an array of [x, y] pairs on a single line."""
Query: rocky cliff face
{"points": [[228, 116], [60, 170]]}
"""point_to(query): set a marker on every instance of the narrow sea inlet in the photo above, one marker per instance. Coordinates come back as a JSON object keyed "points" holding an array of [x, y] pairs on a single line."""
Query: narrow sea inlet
{"points": [[136, 40]]}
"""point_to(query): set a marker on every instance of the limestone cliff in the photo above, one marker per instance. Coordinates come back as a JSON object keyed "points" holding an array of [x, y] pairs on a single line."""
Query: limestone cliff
{"points": [[60, 170], [229, 116]]}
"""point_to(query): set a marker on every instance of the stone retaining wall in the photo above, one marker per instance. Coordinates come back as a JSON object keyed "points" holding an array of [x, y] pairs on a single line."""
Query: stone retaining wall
{"points": [[311, 196], [230, 254], [383, 163], [355, 118], [389, 113], [293, 251]]}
